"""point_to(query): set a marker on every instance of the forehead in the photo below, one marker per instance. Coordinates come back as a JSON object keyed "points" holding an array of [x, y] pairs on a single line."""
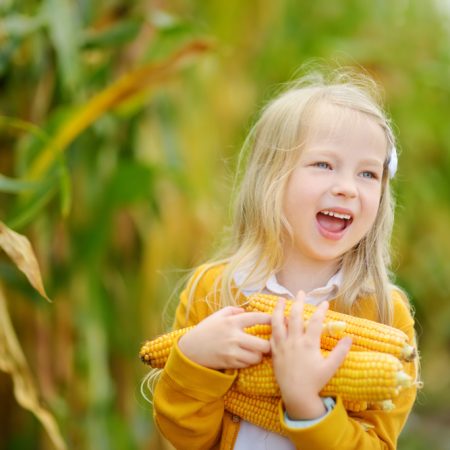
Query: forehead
{"points": [[328, 125]]}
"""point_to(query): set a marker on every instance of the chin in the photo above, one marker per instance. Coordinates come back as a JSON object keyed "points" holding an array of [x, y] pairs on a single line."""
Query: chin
{"points": [[327, 254], [329, 258]]}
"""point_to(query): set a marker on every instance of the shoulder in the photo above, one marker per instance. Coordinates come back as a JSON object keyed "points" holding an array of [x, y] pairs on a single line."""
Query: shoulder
{"points": [[402, 315], [199, 295], [204, 279]]}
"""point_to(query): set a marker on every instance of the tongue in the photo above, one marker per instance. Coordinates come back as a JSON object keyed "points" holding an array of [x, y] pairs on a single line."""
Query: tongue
{"points": [[331, 223]]}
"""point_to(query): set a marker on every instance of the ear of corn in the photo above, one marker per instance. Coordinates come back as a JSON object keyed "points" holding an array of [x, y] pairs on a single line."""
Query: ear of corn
{"points": [[333, 328], [370, 377], [263, 411], [363, 377], [260, 411], [366, 335], [155, 352]]}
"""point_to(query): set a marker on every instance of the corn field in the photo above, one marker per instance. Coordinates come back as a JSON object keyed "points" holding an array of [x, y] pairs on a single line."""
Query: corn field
{"points": [[120, 124]]}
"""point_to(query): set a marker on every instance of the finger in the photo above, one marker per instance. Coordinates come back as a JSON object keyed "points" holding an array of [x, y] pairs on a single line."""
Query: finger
{"points": [[337, 355], [237, 365], [315, 324], [229, 311], [248, 358], [278, 323], [248, 319], [301, 296], [295, 324], [254, 344]]}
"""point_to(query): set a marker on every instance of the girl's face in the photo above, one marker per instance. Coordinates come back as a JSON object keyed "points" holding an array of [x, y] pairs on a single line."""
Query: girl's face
{"points": [[332, 196]]}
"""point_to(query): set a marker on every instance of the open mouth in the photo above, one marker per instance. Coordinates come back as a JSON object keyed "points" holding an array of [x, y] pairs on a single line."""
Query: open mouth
{"points": [[333, 222]]}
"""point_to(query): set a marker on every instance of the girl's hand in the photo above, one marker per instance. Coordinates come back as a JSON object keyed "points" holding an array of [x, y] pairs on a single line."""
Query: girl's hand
{"points": [[300, 368], [220, 342]]}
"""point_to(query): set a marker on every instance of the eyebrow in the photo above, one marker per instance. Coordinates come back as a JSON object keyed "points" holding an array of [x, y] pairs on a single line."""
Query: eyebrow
{"points": [[372, 161], [330, 153]]}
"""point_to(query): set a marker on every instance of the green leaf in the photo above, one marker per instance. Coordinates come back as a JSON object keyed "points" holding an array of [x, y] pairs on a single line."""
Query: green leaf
{"points": [[65, 190], [23, 125], [111, 97], [12, 185], [28, 208], [19, 25], [7, 50], [63, 26], [38, 138], [116, 35], [131, 182]]}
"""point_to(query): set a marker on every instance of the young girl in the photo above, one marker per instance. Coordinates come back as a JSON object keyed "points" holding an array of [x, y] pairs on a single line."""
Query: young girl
{"points": [[313, 221]]}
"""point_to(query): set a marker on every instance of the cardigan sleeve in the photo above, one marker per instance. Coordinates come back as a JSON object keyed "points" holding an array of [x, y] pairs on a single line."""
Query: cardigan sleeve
{"points": [[371, 429], [188, 398]]}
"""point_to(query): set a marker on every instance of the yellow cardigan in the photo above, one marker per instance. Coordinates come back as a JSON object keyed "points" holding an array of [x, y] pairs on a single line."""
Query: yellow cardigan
{"points": [[188, 398]]}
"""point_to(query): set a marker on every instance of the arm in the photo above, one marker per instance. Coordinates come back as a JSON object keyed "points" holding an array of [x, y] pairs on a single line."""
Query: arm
{"points": [[369, 429], [188, 399], [187, 416], [188, 405]]}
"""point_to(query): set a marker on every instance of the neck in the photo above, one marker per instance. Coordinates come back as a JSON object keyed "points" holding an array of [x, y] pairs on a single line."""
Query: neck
{"points": [[298, 274]]}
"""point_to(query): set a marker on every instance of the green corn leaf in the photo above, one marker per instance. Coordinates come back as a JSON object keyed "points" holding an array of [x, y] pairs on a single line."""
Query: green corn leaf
{"points": [[13, 186], [117, 34]]}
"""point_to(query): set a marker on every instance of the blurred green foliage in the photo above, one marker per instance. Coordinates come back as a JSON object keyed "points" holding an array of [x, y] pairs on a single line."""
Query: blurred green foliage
{"points": [[138, 194]]}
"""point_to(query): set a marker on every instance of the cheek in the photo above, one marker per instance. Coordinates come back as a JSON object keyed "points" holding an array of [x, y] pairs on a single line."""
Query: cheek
{"points": [[301, 190], [296, 200], [291, 196]]}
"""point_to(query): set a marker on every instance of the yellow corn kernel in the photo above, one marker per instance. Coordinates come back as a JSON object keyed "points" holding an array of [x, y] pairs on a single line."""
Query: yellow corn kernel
{"points": [[155, 352], [367, 335], [363, 377], [351, 405], [260, 411], [264, 411], [332, 328]]}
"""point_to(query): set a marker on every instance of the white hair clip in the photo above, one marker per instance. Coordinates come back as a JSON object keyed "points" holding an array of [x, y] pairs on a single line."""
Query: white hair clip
{"points": [[393, 163]]}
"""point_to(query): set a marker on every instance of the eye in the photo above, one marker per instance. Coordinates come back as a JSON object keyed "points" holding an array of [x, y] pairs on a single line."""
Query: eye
{"points": [[369, 174], [322, 165]]}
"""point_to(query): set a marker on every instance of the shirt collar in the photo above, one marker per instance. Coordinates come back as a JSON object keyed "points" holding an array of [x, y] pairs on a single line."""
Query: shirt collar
{"points": [[272, 286]]}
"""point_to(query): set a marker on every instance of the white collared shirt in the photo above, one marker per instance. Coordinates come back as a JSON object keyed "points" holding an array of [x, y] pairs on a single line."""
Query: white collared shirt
{"points": [[250, 436]]}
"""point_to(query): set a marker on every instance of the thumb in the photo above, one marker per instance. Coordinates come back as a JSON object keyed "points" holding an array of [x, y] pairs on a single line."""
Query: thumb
{"points": [[338, 354]]}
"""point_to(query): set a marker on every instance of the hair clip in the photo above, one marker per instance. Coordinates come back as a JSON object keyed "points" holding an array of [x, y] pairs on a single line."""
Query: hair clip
{"points": [[393, 163]]}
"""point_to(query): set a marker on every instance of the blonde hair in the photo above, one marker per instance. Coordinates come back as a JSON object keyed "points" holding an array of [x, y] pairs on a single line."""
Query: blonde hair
{"points": [[269, 154]]}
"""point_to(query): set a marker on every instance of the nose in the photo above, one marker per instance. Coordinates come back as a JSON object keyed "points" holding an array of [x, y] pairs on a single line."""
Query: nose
{"points": [[344, 186]]}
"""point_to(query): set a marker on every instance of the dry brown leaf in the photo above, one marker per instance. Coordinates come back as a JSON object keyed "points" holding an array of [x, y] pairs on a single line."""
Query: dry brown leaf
{"points": [[19, 249], [12, 361]]}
